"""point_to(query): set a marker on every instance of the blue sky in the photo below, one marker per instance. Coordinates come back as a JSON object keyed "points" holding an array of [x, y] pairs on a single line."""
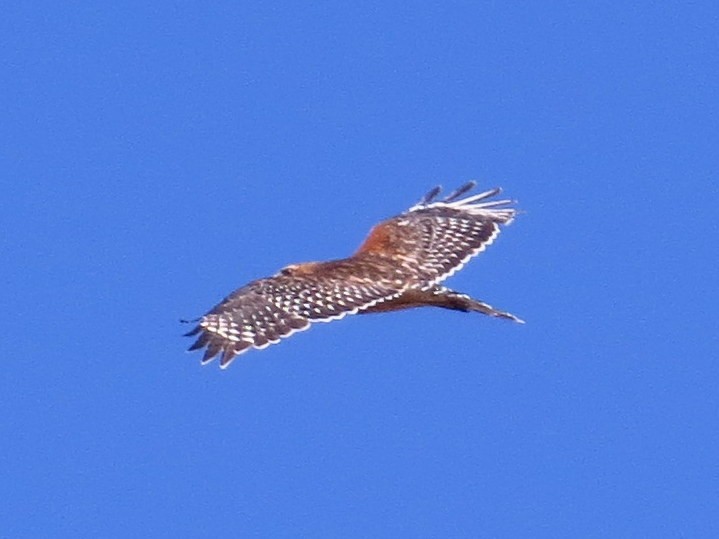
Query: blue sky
{"points": [[156, 156]]}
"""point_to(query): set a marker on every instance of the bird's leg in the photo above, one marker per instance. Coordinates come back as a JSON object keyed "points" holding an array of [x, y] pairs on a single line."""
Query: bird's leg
{"points": [[439, 297], [449, 299], [470, 304]]}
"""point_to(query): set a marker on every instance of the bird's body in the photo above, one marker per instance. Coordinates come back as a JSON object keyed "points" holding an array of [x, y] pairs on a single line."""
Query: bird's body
{"points": [[398, 267]]}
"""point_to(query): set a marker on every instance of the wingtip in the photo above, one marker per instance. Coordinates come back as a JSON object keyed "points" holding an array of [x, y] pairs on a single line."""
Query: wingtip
{"points": [[228, 356], [431, 195], [201, 341], [194, 331], [461, 190]]}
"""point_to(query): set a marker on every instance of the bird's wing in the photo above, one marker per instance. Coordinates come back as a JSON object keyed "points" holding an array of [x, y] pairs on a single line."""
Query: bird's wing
{"points": [[437, 237], [267, 310]]}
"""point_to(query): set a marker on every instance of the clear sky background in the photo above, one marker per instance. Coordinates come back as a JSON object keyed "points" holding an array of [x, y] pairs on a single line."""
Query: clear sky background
{"points": [[156, 156]]}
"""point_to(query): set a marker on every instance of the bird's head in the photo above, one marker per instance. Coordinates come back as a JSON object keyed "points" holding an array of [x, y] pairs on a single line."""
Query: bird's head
{"points": [[299, 269]]}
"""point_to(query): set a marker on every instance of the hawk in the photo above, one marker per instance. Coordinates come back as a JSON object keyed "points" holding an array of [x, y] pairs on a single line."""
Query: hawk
{"points": [[399, 266]]}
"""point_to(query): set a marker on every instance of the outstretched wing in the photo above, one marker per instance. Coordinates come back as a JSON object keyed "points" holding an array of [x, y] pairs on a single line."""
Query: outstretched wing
{"points": [[438, 237], [267, 310]]}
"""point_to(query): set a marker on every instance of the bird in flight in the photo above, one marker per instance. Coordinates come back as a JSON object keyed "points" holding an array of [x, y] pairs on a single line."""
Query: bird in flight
{"points": [[399, 266]]}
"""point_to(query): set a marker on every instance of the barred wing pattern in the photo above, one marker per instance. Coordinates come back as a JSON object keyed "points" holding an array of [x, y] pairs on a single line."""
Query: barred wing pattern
{"points": [[441, 236], [267, 310], [396, 267]]}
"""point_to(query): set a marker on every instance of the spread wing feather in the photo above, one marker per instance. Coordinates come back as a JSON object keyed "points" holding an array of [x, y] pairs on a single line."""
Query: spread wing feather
{"points": [[438, 237], [268, 310]]}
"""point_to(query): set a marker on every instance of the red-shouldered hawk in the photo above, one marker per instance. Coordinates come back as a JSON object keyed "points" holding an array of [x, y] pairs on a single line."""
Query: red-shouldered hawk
{"points": [[398, 266]]}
